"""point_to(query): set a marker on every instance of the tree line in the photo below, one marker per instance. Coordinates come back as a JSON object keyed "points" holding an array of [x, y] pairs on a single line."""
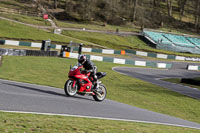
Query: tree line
{"points": [[148, 13]]}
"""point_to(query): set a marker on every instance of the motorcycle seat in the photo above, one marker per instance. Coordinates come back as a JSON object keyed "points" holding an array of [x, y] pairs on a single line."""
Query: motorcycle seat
{"points": [[100, 75]]}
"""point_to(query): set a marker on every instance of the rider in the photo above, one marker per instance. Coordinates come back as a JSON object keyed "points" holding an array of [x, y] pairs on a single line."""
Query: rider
{"points": [[89, 67]]}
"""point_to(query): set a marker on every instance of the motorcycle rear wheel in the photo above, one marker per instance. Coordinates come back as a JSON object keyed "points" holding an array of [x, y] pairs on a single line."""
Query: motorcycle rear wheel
{"points": [[100, 93], [69, 90]]}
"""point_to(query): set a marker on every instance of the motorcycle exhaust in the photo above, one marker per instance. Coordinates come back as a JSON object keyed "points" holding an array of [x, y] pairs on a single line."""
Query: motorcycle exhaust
{"points": [[86, 93]]}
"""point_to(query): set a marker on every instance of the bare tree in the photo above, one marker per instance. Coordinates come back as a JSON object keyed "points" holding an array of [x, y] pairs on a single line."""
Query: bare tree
{"points": [[55, 4], [169, 6], [154, 2], [66, 5], [197, 14], [134, 9], [182, 4]]}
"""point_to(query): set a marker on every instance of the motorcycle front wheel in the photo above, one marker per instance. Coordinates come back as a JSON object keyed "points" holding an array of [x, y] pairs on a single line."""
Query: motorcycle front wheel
{"points": [[100, 93], [69, 90]]}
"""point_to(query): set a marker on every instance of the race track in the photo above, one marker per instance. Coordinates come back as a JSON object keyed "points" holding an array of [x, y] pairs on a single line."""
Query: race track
{"points": [[23, 97], [154, 76]]}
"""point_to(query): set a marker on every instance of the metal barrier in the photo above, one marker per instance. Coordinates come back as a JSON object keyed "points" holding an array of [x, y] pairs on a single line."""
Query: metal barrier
{"points": [[17, 52], [14, 52], [41, 53]]}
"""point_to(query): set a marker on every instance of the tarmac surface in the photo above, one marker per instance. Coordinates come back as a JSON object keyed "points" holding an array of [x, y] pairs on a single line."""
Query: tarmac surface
{"points": [[29, 98], [154, 76]]}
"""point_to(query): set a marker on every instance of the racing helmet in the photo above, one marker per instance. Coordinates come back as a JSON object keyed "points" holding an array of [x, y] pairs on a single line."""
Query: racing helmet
{"points": [[82, 59]]}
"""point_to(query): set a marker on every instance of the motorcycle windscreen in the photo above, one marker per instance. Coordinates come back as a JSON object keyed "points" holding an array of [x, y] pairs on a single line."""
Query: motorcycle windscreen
{"points": [[100, 75]]}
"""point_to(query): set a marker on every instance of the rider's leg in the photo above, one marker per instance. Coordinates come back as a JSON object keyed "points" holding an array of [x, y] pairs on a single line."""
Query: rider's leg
{"points": [[94, 82]]}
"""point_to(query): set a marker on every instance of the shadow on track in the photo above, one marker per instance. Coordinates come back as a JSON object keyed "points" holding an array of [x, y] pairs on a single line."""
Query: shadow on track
{"points": [[47, 91]]}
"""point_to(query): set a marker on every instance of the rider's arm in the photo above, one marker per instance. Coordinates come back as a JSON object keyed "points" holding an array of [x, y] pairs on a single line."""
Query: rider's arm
{"points": [[89, 66], [91, 70]]}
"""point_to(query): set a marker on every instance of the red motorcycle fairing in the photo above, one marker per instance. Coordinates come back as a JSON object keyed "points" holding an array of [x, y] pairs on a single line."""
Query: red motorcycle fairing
{"points": [[87, 85], [84, 83], [74, 83], [80, 82]]}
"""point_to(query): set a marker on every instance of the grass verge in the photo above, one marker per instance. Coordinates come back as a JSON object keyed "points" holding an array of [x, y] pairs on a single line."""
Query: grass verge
{"points": [[18, 47], [121, 88], [178, 81], [28, 123], [18, 31], [27, 19], [111, 41], [97, 26], [13, 4]]}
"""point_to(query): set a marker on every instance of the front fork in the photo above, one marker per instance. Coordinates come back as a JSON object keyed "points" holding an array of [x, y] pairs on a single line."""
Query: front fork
{"points": [[74, 83], [98, 83]]}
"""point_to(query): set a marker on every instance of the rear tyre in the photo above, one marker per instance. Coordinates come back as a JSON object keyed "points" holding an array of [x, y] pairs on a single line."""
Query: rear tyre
{"points": [[100, 93], [69, 90]]}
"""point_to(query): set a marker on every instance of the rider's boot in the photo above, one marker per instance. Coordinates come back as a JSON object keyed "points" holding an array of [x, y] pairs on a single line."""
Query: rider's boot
{"points": [[94, 86], [95, 83]]}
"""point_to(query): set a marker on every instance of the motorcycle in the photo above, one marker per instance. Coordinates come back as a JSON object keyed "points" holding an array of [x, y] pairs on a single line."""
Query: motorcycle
{"points": [[80, 82]]}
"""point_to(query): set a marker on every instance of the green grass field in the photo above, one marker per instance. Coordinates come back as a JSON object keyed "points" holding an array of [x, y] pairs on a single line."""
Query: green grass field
{"points": [[18, 47], [13, 5], [21, 32], [111, 41], [14, 30], [27, 19], [97, 26], [28, 123]]}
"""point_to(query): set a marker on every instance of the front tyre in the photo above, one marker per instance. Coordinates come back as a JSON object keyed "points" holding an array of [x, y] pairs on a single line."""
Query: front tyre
{"points": [[100, 93], [69, 90]]}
